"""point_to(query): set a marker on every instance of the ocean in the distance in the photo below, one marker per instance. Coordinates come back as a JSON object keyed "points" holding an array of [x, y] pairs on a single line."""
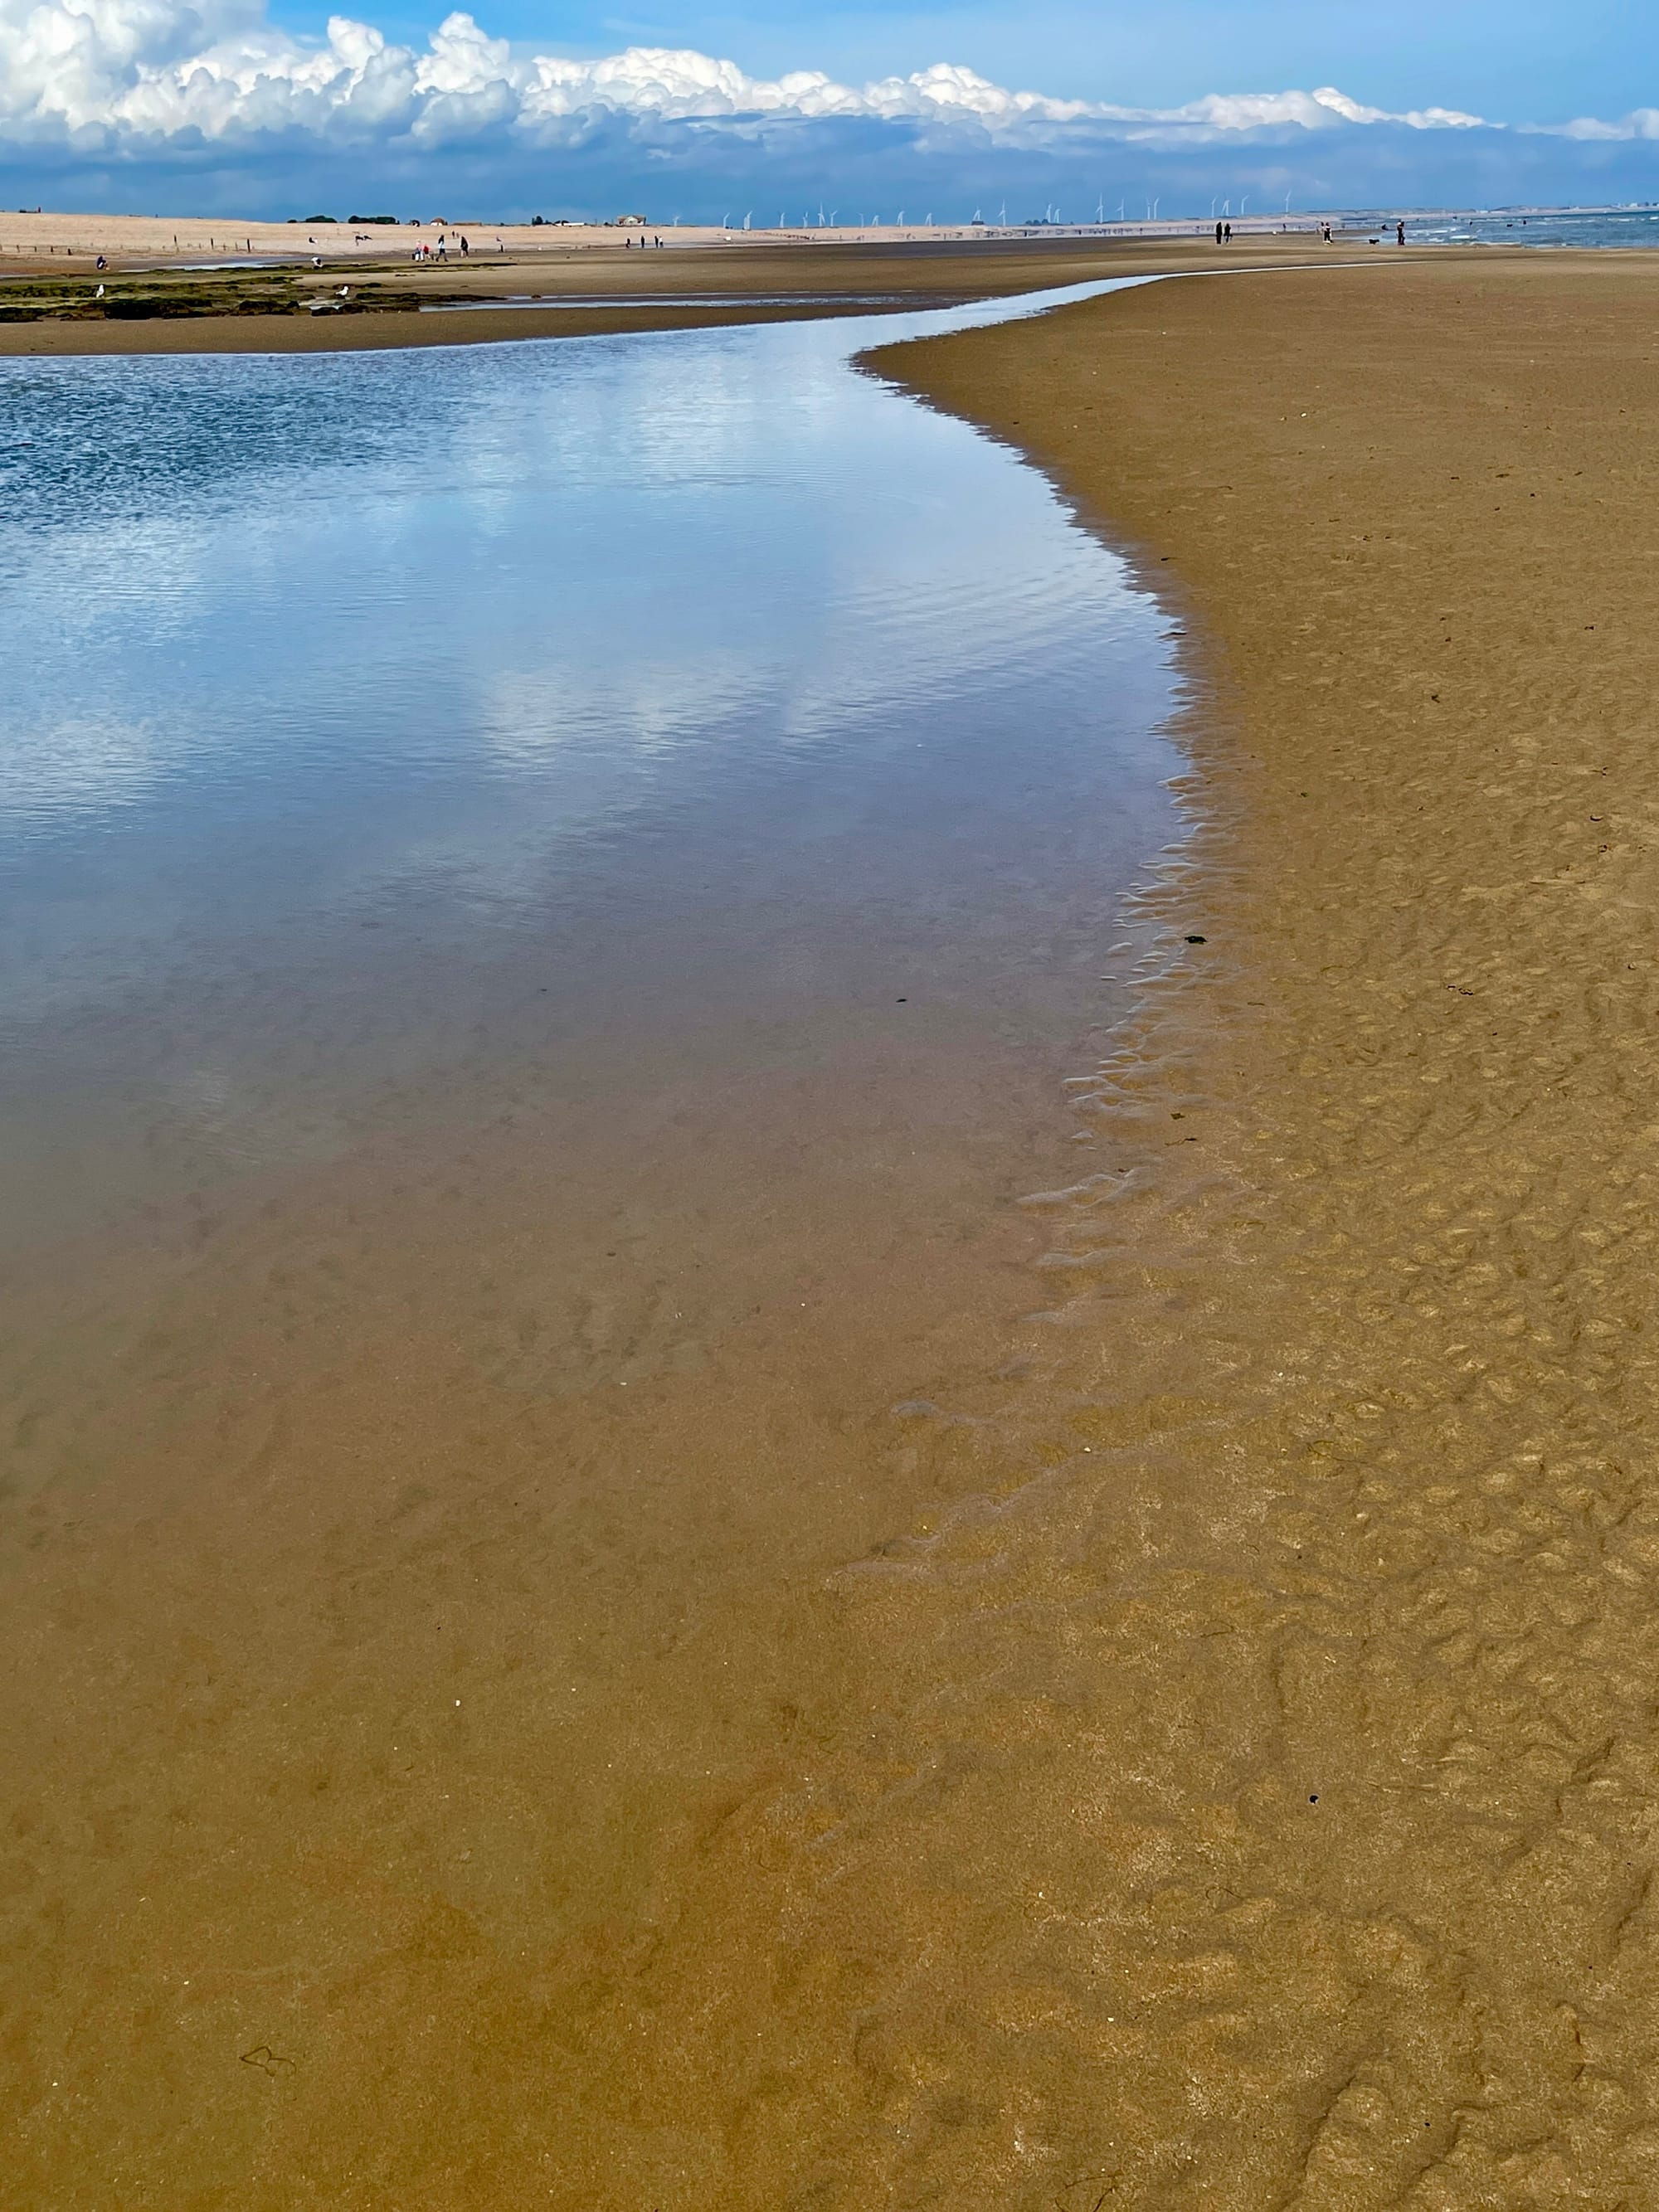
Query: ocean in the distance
{"points": [[1614, 226]]}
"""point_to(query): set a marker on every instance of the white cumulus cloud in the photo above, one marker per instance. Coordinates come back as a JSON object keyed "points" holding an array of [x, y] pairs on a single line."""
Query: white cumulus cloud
{"points": [[1641, 123], [94, 72]]}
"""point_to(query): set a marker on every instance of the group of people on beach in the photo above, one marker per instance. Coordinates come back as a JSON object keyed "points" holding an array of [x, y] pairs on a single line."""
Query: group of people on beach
{"points": [[1224, 233]]}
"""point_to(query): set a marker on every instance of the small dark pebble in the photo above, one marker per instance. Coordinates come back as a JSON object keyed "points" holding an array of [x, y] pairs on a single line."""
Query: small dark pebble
{"points": [[1197, 940], [901, 1002], [1314, 1799]]}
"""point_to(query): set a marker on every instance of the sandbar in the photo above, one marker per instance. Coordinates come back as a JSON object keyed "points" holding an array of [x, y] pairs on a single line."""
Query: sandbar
{"points": [[750, 281]]}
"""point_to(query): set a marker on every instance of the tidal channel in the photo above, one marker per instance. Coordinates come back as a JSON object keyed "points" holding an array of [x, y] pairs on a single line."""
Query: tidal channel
{"points": [[550, 891]]}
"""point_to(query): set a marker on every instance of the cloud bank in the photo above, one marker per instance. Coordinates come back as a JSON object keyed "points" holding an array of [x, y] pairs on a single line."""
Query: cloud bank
{"points": [[120, 94], [157, 68]]}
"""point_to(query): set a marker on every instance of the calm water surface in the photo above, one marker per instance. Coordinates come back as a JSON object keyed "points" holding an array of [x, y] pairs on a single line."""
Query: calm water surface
{"points": [[674, 682]]}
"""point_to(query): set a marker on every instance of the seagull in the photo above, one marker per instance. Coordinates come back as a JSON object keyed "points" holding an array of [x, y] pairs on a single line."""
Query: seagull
{"points": [[345, 291], [98, 293]]}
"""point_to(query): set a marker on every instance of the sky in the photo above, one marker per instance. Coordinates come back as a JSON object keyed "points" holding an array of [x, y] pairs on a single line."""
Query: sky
{"points": [[860, 107]]}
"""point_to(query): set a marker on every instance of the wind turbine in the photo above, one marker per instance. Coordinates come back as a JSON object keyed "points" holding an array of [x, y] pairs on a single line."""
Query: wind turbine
{"points": [[1241, 198], [745, 220]]}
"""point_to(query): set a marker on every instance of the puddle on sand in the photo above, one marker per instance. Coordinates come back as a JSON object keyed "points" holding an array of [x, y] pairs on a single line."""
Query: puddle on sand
{"points": [[548, 893]]}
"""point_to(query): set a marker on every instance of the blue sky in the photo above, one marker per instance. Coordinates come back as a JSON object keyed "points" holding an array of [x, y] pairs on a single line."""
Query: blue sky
{"points": [[250, 104]]}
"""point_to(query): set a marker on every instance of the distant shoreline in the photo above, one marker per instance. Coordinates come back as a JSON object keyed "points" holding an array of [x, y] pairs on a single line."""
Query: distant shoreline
{"points": [[384, 304], [46, 237]]}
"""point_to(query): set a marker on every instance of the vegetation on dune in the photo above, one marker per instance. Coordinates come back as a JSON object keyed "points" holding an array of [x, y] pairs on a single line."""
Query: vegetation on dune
{"points": [[171, 295]]}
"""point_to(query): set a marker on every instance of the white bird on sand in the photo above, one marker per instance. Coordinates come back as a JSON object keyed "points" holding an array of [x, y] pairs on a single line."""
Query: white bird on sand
{"points": [[345, 291], [98, 293]]}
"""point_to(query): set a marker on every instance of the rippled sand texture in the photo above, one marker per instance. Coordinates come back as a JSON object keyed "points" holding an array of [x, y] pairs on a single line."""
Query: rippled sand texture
{"points": [[1259, 1809], [1249, 1799]]}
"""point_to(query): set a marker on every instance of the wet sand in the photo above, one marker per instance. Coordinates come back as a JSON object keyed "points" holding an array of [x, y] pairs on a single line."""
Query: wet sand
{"points": [[1261, 1809], [1246, 1797]]}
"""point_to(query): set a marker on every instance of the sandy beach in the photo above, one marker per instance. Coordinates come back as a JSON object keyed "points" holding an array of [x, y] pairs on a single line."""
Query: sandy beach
{"points": [[744, 280], [1305, 1852], [28, 239], [1219, 1766]]}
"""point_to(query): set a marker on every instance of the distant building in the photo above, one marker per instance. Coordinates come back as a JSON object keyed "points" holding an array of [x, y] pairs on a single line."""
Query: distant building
{"points": [[634, 221]]}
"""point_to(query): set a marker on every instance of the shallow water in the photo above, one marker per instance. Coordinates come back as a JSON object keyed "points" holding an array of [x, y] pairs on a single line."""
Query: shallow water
{"points": [[365, 697], [549, 891]]}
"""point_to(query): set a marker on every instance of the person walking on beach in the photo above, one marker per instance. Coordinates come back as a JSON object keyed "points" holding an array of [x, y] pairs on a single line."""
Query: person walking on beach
{"points": [[1217, 233], [465, 248], [1325, 232], [1227, 233], [1400, 234]]}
